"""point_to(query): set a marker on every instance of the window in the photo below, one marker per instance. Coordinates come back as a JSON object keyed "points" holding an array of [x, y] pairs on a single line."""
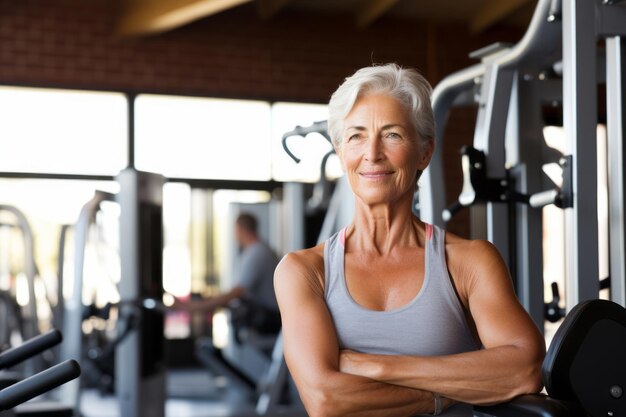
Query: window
{"points": [[62, 131], [203, 138]]}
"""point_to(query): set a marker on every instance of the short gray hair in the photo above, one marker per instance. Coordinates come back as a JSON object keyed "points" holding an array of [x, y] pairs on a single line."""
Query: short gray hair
{"points": [[404, 84]]}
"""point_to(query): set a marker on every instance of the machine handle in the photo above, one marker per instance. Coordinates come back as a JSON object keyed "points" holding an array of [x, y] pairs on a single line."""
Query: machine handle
{"points": [[544, 198], [451, 210], [552, 311], [30, 348], [316, 127], [38, 384], [555, 12]]}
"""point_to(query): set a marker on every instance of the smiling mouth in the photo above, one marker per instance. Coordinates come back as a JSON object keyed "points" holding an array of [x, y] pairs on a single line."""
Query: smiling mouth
{"points": [[375, 175]]}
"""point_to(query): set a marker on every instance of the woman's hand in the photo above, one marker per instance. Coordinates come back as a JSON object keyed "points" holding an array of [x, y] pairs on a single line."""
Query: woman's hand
{"points": [[355, 363]]}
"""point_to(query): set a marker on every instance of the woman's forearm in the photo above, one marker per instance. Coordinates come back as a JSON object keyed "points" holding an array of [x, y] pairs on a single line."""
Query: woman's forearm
{"points": [[344, 395], [481, 377]]}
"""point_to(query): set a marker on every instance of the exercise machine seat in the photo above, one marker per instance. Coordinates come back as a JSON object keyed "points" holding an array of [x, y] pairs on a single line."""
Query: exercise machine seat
{"points": [[586, 362], [532, 406], [584, 371]]}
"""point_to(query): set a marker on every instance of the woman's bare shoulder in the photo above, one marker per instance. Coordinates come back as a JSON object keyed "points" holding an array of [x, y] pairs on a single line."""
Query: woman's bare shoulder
{"points": [[305, 266], [457, 242], [468, 259]]}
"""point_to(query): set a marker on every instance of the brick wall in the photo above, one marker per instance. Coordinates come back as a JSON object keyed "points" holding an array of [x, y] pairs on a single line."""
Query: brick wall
{"points": [[294, 56]]}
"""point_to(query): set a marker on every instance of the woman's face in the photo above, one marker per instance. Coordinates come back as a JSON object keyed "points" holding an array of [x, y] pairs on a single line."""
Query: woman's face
{"points": [[380, 149]]}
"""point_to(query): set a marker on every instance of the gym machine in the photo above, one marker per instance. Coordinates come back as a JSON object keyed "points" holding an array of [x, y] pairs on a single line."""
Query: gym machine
{"points": [[506, 81], [323, 188], [72, 306], [138, 347], [335, 201], [140, 305], [509, 86], [584, 369], [139, 360], [24, 320]]}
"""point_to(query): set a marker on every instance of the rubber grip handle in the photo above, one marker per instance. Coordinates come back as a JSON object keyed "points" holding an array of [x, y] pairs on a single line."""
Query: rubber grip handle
{"points": [[38, 384], [30, 348]]}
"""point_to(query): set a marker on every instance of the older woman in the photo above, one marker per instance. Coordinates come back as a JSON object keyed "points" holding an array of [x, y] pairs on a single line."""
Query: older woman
{"points": [[391, 316]]}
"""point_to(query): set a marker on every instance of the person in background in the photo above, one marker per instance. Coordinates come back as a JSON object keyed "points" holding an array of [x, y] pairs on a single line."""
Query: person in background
{"points": [[251, 299]]}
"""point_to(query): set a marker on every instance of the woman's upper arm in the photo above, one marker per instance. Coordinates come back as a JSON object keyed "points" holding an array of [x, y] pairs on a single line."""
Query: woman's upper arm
{"points": [[309, 338], [499, 317]]}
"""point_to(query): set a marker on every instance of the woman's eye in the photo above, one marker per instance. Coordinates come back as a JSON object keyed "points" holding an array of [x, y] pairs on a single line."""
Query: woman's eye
{"points": [[354, 137], [393, 135]]}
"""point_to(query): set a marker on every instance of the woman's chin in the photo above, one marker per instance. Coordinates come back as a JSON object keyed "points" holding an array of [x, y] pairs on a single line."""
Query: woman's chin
{"points": [[376, 199], [381, 197]]}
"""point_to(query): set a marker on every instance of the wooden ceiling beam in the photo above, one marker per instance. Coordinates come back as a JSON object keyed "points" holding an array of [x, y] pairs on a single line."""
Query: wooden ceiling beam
{"points": [[143, 17], [372, 10], [493, 11], [268, 8]]}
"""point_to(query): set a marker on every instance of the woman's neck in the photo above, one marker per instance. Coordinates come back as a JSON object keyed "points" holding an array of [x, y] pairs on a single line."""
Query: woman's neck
{"points": [[381, 228]]}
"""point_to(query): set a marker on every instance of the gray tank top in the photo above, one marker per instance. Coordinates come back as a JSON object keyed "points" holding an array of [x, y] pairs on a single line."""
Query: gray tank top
{"points": [[433, 323]]}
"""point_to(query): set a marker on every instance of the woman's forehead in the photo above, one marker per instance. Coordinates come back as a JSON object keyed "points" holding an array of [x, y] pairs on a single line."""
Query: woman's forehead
{"points": [[378, 108], [378, 103]]}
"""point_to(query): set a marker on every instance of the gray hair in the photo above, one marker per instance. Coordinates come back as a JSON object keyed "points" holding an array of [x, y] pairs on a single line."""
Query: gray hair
{"points": [[405, 85]]}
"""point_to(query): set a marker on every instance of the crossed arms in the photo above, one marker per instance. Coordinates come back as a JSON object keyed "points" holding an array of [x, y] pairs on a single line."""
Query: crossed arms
{"points": [[343, 383]]}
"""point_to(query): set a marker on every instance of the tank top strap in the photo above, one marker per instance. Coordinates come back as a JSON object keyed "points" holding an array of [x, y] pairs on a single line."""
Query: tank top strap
{"points": [[439, 269], [435, 237], [436, 252], [333, 261]]}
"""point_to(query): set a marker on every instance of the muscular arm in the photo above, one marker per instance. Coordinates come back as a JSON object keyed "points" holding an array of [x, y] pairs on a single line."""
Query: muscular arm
{"points": [[510, 363], [312, 354]]}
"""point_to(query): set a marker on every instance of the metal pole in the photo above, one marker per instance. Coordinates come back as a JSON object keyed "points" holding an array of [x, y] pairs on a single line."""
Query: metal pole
{"points": [[527, 176], [293, 217], [72, 347], [139, 358], [615, 90], [489, 137], [580, 120], [131, 129]]}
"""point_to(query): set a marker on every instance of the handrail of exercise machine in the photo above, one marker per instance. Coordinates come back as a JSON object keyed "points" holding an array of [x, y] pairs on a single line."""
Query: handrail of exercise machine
{"points": [[38, 384], [30, 348]]}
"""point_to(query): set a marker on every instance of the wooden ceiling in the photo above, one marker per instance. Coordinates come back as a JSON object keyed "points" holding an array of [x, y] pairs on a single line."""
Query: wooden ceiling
{"points": [[148, 17]]}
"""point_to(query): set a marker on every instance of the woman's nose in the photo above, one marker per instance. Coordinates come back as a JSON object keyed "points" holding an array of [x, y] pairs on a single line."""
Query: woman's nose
{"points": [[373, 152]]}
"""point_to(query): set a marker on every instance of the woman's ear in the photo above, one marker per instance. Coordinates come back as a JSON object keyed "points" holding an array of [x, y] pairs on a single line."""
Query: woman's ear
{"points": [[428, 148]]}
